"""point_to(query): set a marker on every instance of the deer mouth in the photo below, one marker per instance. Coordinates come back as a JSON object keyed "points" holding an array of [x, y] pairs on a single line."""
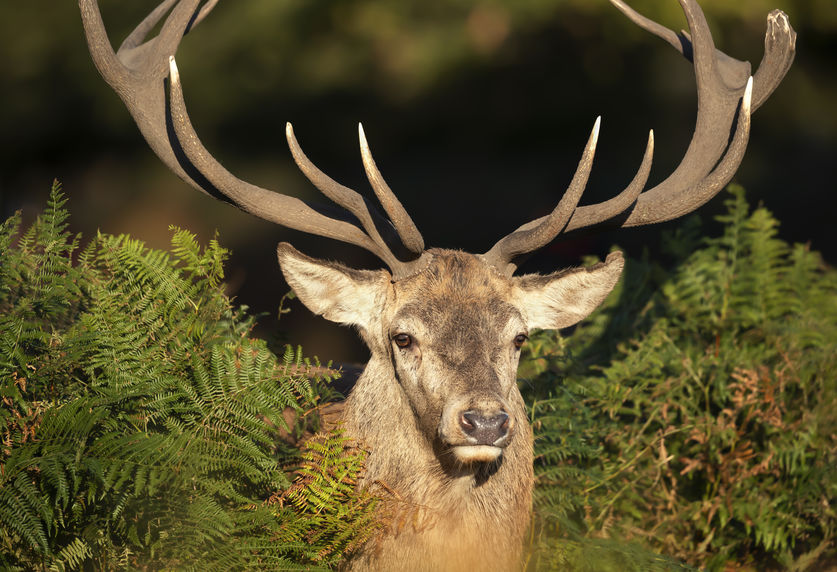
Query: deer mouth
{"points": [[477, 453], [476, 431]]}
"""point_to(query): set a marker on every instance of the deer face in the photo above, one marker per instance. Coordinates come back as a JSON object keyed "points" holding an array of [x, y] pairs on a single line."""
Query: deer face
{"points": [[455, 341], [452, 334]]}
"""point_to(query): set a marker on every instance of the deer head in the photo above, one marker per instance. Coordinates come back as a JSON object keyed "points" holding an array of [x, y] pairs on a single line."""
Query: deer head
{"points": [[452, 333], [445, 327]]}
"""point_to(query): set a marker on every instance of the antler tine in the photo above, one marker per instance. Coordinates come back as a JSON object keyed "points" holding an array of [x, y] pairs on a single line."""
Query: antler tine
{"points": [[275, 207], [534, 236], [604, 211], [137, 37], [348, 199], [779, 51], [183, 18], [136, 72], [404, 225], [727, 95], [721, 84], [623, 201]]}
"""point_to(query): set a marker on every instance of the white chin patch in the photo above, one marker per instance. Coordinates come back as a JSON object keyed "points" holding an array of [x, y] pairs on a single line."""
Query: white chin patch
{"points": [[477, 453]]}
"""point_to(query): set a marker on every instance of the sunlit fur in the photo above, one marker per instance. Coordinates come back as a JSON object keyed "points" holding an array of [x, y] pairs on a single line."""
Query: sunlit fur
{"points": [[449, 503], [477, 453]]}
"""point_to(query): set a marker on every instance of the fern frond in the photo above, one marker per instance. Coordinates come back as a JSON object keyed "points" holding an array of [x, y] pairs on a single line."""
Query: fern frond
{"points": [[140, 423], [702, 417]]}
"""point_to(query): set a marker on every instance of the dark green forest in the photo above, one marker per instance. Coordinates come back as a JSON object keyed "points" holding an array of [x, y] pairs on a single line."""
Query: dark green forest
{"points": [[690, 422]]}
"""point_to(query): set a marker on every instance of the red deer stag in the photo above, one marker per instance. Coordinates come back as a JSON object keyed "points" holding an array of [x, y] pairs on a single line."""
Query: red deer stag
{"points": [[438, 406]]}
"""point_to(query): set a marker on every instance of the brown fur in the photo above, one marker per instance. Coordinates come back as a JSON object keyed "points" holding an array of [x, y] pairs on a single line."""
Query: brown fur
{"points": [[443, 513]]}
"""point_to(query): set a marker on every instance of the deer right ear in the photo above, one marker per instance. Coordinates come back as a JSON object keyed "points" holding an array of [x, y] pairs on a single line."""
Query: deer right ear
{"points": [[333, 291]]}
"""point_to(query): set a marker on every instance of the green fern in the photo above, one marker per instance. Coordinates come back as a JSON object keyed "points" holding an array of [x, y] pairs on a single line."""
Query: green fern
{"points": [[324, 491], [697, 408], [141, 425], [692, 415]]}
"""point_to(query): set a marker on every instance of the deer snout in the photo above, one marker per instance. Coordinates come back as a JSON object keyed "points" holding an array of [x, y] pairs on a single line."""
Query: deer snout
{"points": [[481, 429], [476, 429]]}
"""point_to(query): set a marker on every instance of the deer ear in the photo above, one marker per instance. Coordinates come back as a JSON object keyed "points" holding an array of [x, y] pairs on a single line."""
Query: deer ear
{"points": [[336, 292], [564, 298]]}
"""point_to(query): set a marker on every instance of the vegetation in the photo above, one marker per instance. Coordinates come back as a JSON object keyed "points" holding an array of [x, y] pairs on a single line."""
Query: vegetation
{"points": [[693, 416], [695, 413], [142, 427]]}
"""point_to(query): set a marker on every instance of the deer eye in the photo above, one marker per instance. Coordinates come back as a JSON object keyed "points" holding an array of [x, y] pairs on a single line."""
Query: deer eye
{"points": [[519, 340], [402, 340]]}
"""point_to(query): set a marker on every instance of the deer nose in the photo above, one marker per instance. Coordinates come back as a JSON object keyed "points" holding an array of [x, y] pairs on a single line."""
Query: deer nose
{"points": [[484, 429]]}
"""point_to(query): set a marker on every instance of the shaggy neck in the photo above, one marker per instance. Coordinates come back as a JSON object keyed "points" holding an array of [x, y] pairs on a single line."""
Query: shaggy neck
{"points": [[402, 457], [437, 520]]}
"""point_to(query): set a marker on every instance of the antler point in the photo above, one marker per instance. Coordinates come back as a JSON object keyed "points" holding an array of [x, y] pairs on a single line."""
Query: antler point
{"points": [[364, 144], [173, 71], [748, 95], [594, 136], [292, 143]]}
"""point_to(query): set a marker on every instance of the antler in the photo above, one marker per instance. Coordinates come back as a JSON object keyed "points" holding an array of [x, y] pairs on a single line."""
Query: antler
{"points": [[727, 95], [137, 72]]}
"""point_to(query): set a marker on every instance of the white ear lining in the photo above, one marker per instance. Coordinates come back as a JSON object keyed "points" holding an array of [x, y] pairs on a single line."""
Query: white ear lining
{"points": [[562, 299], [338, 293]]}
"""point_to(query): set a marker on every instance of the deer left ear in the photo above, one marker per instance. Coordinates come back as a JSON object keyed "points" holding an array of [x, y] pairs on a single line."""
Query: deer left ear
{"points": [[564, 298]]}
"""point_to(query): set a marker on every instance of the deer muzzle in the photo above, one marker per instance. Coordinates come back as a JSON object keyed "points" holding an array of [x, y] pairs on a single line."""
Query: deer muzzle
{"points": [[476, 430]]}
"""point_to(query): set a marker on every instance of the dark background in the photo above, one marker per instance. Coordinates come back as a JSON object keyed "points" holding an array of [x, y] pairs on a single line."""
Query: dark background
{"points": [[476, 111]]}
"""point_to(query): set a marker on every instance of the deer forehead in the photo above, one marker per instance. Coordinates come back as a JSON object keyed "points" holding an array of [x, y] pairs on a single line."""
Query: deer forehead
{"points": [[457, 297]]}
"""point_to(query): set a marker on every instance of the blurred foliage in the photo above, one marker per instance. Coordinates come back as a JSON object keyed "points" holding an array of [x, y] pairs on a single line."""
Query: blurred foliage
{"points": [[143, 428], [397, 51], [324, 44], [696, 412]]}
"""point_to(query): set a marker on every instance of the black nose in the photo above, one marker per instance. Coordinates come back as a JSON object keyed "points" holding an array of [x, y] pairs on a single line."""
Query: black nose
{"points": [[485, 430]]}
